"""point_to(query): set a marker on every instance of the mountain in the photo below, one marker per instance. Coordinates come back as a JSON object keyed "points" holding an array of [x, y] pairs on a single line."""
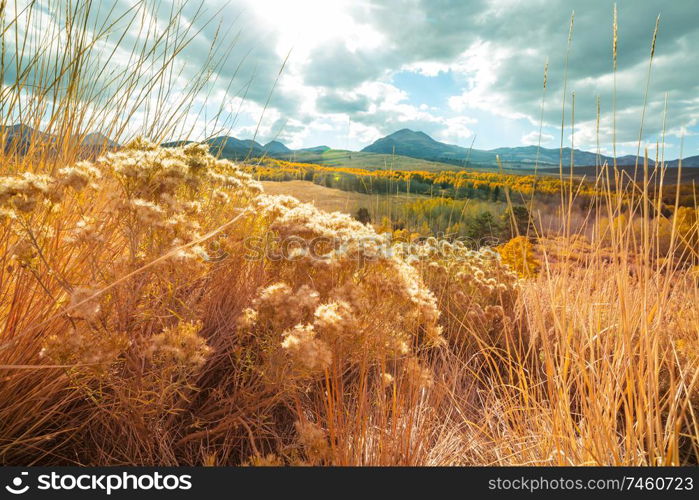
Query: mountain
{"points": [[18, 138], [276, 147], [414, 144], [235, 149], [628, 161], [690, 161], [407, 142], [239, 149], [95, 139], [552, 156], [315, 149], [19, 132], [532, 154], [95, 144]]}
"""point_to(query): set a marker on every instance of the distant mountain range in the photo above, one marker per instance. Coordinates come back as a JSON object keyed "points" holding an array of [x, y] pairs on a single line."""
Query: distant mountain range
{"points": [[19, 138], [240, 149], [403, 143], [414, 144]]}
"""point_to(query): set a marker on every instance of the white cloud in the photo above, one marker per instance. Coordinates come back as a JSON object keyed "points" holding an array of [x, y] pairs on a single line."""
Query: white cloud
{"points": [[532, 138], [457, 129]]}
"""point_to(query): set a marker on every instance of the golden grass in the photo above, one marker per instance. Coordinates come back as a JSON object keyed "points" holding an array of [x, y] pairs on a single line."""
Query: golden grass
{"points": [[141, 322], [335, 200]]}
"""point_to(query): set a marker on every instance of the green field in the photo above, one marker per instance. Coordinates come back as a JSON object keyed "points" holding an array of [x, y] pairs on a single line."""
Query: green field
{"points": [[369, 161], [374, 161]]}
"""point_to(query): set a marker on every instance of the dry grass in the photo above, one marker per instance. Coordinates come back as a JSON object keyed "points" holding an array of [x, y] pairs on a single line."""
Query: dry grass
{"points": [[141, 324], [335, 200]]}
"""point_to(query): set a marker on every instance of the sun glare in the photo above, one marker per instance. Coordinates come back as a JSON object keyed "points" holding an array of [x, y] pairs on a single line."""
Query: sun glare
{"points": [[306, 24]]}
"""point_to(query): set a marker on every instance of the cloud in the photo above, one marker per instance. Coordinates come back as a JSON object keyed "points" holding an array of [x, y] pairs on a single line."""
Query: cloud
{"points": [[457, 128], [336, 103], [533, 137], [498, 50], [511, 84]]}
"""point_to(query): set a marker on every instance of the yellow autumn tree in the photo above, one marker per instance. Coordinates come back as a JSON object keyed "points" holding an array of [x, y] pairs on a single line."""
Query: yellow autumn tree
{"points": [[518, 253]]}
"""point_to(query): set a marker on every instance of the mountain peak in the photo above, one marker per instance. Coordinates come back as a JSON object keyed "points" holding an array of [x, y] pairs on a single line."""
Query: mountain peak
{"points": [[98, 139], [413, 143], [408, 133], [276, 147]]}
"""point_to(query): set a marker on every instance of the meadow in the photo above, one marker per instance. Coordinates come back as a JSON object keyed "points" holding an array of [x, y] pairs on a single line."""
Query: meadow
{"points": [[161, 306], [405, 214], [365, 161], [335, 200]]}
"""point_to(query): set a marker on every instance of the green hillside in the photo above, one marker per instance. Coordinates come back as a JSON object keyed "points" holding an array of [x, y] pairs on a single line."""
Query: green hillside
{"points": [[368, 161]]}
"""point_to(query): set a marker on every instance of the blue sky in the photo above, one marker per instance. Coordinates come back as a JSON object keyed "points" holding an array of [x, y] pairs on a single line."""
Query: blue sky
{"points": [[462, 71], [434, 91]]}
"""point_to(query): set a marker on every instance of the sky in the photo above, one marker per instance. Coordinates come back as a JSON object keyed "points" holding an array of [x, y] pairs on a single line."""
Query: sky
{"points": [[344, 73]]}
